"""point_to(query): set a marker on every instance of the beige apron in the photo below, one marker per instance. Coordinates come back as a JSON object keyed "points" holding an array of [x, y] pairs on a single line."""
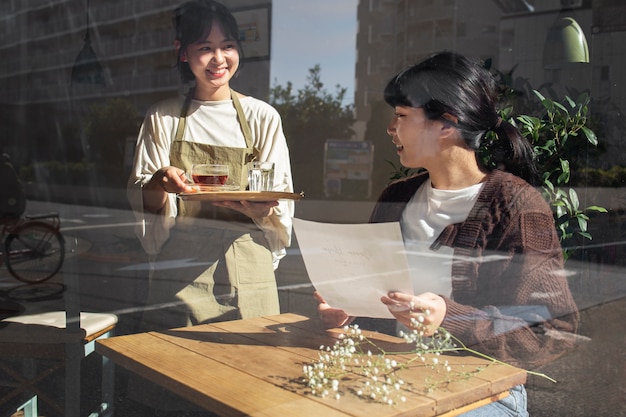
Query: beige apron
{"points": [[216, 264]]}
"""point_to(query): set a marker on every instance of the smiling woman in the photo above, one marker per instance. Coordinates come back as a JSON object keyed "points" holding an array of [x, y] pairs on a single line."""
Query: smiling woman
{"points": [[458, 212], [236, 245]]}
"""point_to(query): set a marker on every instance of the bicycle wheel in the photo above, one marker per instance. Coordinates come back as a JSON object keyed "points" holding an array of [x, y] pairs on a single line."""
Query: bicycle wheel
{"points": [[34, 252]]}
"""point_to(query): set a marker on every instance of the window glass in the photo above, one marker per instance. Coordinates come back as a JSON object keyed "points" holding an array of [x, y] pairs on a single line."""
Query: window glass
{"points": [[79, 79]]}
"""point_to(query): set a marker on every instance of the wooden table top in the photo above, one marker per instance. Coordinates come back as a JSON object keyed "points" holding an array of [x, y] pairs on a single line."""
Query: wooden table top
{"points": [[253, 367]]}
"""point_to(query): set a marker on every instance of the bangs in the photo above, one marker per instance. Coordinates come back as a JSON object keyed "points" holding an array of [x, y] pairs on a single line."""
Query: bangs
{"points": [[407, 89], [195, 21]]}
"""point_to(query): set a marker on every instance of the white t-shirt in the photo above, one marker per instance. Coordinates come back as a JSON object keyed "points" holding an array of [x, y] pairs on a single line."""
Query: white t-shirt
{"points": [[426, 215], [214, 123]]}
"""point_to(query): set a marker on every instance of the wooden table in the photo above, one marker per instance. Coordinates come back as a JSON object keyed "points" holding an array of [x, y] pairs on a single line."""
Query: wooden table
{"points": [[254, 367]]}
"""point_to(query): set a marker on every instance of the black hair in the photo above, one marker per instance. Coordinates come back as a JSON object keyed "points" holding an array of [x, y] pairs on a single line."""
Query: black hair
{"points": [[193, 20], [451, 83]]}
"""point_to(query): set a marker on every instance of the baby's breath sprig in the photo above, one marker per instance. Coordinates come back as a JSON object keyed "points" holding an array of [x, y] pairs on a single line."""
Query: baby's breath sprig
{"points": [[354, 357], [351, 357]]}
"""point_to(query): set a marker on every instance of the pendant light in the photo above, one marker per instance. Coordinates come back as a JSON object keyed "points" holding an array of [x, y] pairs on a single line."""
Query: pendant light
{"points": [[565, 44], [87, 68]]}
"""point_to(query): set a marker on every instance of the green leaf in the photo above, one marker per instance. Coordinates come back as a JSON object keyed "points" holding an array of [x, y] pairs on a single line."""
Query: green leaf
{"points": [[583, 99], [573, 196], [564, 177], [582, 224], [597, 208], [548, 184], [560, 106], [591, 136], [538, 94]]}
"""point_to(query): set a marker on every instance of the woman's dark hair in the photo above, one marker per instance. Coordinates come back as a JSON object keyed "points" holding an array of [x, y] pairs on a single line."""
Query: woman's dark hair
{"points": [[194, 20], [451, 83]]}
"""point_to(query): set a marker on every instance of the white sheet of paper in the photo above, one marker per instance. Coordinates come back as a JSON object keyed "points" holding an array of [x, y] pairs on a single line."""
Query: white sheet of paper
{"points": [[353, 265]]}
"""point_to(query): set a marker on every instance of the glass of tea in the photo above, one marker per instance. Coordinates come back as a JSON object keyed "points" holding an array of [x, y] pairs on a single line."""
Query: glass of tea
{"points": [[211, 175]]}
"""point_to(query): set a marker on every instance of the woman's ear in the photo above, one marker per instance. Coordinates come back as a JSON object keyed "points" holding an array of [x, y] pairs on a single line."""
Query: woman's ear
{"points": [[182, 56], [452, 120], [449, 124]]}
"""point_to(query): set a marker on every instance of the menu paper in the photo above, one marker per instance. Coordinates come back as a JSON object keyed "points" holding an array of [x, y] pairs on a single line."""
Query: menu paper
{"points": [[353, 265]]}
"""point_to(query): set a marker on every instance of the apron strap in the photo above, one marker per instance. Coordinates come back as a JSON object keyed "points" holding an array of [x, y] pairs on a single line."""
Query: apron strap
{"points": [[180, 128], [245, 128]]}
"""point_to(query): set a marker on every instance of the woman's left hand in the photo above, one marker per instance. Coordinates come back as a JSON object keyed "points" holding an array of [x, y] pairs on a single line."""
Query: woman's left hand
{"points": [[428, 308], [252, 209], [331, 317]]}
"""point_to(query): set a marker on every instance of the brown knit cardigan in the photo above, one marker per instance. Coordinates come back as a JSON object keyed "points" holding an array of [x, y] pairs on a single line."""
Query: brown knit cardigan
{"points": [[510, 297]]}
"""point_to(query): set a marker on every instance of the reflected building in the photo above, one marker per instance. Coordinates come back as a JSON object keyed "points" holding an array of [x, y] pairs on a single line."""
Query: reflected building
{"points": [[514, 34], [393, 34]]}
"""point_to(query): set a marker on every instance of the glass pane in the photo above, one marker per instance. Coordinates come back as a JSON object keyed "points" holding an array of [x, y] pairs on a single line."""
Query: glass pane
{"points": [[92, 94]]}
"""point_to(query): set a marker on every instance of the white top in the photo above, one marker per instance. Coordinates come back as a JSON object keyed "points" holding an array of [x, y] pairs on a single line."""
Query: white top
{"points": [[426, 215], [213, 123]]}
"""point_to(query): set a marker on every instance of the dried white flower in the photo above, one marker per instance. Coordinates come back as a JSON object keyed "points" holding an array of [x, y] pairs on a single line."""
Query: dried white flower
{"points": [[352, 358]]}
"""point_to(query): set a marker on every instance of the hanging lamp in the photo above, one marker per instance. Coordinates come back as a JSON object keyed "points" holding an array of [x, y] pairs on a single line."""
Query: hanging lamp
{"points": [[565, 43], [87, 68]]}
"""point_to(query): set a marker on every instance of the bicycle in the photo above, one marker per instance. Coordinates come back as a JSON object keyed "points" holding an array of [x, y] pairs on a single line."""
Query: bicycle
{"points": [[34, 248]]}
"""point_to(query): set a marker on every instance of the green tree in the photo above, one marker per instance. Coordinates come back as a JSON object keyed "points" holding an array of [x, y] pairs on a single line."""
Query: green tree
{"points": [[310, 117]]}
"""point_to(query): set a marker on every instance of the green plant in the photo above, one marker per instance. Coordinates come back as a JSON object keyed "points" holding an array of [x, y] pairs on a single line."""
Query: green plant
{"points": [[559, 138]]}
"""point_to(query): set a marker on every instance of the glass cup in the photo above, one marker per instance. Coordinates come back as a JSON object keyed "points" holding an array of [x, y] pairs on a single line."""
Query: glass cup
{"points": [[261, 176], [211, 175]]}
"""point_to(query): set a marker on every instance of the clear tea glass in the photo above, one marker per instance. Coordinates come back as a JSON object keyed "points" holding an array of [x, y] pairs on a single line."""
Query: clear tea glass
{"points": [[261, 176]]}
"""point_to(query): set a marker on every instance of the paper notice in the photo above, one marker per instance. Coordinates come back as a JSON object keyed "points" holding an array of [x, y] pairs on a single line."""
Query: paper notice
{"points": [[353, 265]]}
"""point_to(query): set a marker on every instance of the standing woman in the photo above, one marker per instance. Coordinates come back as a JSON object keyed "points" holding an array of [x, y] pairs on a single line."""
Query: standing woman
{"points": [[212, 261], [209, 261], [484, 239]]}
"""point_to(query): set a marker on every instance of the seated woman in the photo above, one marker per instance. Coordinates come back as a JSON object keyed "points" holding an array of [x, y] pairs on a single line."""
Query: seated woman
{"points": [[498, 279]]}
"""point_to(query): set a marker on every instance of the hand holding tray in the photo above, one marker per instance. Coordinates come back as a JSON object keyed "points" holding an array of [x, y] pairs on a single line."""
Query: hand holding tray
{"points": [[239, 196]]}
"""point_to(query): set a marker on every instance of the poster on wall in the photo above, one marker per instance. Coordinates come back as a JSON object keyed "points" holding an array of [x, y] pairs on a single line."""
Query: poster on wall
{"points": [[348, 168], [254, 32]]}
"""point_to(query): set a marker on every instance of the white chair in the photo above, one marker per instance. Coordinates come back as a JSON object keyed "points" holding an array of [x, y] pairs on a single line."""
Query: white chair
{"points": [[65, 337]]}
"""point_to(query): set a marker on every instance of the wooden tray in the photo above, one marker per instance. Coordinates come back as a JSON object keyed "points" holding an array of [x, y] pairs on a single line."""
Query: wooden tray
{"points": [[239, 196]]}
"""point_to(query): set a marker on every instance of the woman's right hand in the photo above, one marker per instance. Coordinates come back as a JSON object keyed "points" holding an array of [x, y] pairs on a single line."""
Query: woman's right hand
{"points": [[171, 180], [165, 180], [331, 317]]}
